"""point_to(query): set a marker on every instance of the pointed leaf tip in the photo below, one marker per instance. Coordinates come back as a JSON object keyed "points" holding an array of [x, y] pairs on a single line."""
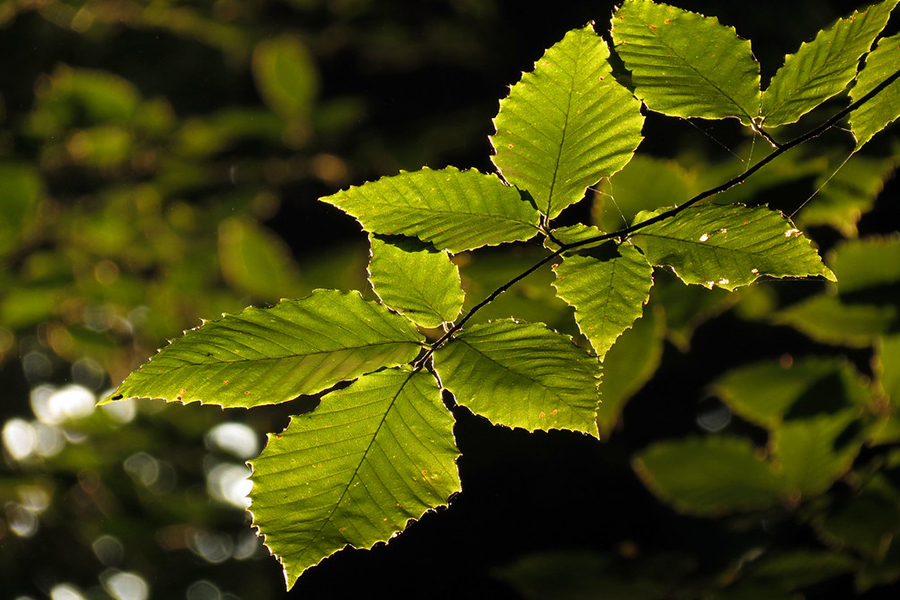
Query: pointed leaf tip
{"points": [[589, 125], [355, 471], [272, 355]]}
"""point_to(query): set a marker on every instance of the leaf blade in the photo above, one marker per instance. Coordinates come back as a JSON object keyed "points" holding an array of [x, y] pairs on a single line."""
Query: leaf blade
{"points": [[415, 280], [454, 210], [686, 65], [608, 290], [353, 472], [883, 109], [822, 68], [268, 356], [521, 375], [729, 246], [589, 127]]}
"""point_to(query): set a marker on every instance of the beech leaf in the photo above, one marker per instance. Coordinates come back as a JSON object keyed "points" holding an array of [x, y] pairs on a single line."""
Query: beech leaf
{"points": [[354, 471], [271, 355]]}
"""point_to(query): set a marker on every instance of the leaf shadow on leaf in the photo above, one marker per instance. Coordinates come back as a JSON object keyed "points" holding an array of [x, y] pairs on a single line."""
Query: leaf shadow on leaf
{"points": [[603, 252], [407, 243], [826, 396]]}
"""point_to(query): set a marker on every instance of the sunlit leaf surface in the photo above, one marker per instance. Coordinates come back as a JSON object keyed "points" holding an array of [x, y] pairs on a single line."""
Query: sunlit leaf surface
{"points": [[729, 246], [607, 285], [589, 124], [416, 280], [822, 68], [267, 356], [454, 210], [521, 375], [884, 108], [354, 471], [686, 65]]}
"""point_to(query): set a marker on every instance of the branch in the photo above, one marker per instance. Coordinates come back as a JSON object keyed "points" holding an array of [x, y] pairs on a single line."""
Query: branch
{"points": [[625, 232]]}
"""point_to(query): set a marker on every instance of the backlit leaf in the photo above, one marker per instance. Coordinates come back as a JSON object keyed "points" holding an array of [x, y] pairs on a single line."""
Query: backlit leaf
{"points": [[354, 471], [454, 210], [416, 280], [628, 365], [812, 454], [709, 475], [729, 246], [271, 355], [286, 76], [822, 68], [521, 375], [867, 265], [256, 261], [768, 392], [607, 285], [825, 318], [686, 65], [589, 124], [884, 108]]}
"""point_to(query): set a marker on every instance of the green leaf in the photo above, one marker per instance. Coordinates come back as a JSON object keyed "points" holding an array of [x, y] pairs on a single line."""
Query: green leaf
{"points": [[799, 568], [628, 365], [868, 522], [729, 246], [20, 188], [521, 375], [354, 471], [867, 265], [825, 318], [256, 261], [846, 192], [454, 210], [887, 367], [267, 356], [709, 475], [686, 65], [646, 183], [416, 280], [607, 286], [286, 76], [884, 108], [811, 453], [822, 68], [589, 125], [766, 392]]}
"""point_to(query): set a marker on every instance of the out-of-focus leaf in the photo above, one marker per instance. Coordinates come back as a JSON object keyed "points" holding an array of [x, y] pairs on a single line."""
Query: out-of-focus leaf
{"points": [[416, 280], [645, 183], [576, 575], [286, 76], [814, 451], [267, 356], [607, 285], [729, 246], [867, 522], [102, 146], [887, 367], [822, 68], [768, 392], [884, 108], [522, 375], [800, 568], [866, 265], [454, 210], [356, 470], [589, 127], [20, 187], [686, 65], [689, 306], [255, 261], [824, 318], [847, 192], [709, 475], [628, 365]]}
